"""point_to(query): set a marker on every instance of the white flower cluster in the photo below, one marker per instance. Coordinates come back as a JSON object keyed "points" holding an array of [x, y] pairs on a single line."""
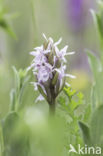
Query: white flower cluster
{"points": [[49, 66]]}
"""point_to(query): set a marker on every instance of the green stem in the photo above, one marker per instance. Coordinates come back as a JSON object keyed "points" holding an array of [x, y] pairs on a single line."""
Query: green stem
{"points": [[52, 107]]}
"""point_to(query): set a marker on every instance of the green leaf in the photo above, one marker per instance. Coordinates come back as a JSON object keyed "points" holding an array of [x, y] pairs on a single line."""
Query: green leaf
{"points": [[96, 68], [42, 92], [4, 22], [94, 63], [23, 85], [73, 104], [87, 113], [79, 111], [85, 133], [57, 87], [21, 80], [80, 95], [62, 100], [16, 135], [100, 24], [98, 20], [93, 97], [7, 28], [1, 141], [54, 81], [69, 92], [17, 78], [12, 100], [94, 17], [8, 126], [10, 32], [96, 126]]}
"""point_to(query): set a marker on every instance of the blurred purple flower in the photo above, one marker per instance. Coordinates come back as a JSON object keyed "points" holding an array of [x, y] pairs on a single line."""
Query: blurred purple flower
{"points": [[76, 13]]}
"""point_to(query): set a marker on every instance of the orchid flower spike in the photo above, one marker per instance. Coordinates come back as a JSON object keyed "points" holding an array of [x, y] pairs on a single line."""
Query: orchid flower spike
{"points": [[49, 68]]}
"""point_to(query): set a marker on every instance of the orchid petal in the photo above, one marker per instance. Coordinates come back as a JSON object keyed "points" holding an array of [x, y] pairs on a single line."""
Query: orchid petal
{"points": [[51, 40], [64, 49], [39, 48], [58, 42]]}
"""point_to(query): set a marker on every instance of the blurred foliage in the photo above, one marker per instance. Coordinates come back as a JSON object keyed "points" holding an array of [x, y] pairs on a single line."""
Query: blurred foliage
{"points": [[72, 109], [21, 80], [82, 80], [96, 63], [26, 128], [4, 20], [93, 135]]}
